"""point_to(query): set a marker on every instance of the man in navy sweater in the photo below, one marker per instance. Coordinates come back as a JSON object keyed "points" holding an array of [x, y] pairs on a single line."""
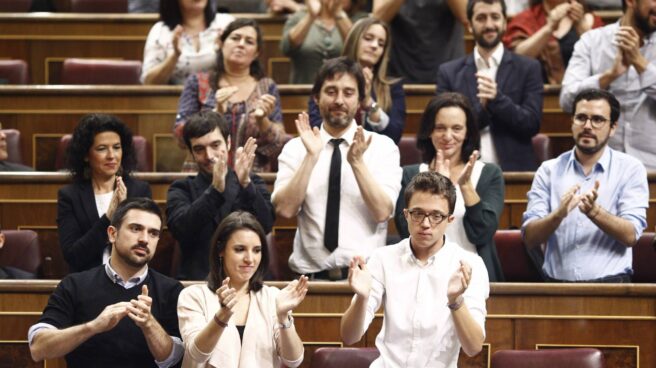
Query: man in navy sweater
{"points": [[121, 314]]}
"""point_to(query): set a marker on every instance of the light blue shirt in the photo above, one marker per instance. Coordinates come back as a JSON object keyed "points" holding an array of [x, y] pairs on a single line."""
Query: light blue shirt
{"points": [[578, 249]]}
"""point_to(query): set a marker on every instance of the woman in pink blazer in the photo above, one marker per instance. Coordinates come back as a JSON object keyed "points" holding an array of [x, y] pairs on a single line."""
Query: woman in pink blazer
{"points": [[234, 320]]}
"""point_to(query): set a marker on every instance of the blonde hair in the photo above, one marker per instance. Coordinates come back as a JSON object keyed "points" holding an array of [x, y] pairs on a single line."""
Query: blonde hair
{"points": [[381, 83]]}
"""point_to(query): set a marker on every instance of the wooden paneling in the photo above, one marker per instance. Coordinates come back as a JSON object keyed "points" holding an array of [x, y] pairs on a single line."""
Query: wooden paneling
{"points": [[620, 320]]}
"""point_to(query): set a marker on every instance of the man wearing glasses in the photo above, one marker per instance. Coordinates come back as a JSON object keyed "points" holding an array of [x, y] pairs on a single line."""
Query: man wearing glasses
{"points": [[433, 290], [588, 205]]}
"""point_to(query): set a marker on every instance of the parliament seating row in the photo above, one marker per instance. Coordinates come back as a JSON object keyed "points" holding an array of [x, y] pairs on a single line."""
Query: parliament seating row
{"points": [[44, 40], [44, 114], [79, 72], [74, 6]]}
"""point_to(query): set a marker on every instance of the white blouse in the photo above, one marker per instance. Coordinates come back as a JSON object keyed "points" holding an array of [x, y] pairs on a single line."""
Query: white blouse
{"points": [[159, 46]]}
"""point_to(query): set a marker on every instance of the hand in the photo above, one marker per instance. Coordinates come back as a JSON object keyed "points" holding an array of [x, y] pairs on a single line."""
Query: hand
{"points": [[264, 106], [109, 317], [279, 6], [465, 175], [175, 39], [120, 194], [310, 137], [459, 282], [487, 88], [313, 7], [227, 299], [358, 147], [244, 158], [588, 204], [334, 7], [219, 171], [291, 296], [557, 14], [359, 278], [575, 11], [628, 43], [439, 165], [222, 96], [568, 201], [139, 309], [368, 78]]}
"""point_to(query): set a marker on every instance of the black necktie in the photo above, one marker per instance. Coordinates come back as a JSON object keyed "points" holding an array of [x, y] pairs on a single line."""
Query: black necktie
{"points": [[331, 231]]}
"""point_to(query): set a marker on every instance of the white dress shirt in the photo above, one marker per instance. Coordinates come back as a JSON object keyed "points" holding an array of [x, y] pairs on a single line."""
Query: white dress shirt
{"points": [[359, 233], [595, 53], [488, 68], [418, 329]]}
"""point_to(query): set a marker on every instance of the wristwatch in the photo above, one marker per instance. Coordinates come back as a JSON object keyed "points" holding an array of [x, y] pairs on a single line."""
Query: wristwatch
{"points": [[456, 304], [373, 107], [288, 323]]}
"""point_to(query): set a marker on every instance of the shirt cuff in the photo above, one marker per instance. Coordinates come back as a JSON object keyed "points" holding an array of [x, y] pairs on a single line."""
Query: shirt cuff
{"points": [[382, 124], [36, 328], [293, 363], [175, 356]]}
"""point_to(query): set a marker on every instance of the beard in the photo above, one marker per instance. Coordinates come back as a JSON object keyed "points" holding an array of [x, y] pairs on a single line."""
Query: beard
{"points": [[338, 121], [642, 23], [591, 150], [483, 43], [132, 260]]}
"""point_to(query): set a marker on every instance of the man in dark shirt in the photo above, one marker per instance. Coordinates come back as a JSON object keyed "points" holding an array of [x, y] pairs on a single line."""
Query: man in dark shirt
{"points": [[85, 319], [4, 164], [196, 205]]}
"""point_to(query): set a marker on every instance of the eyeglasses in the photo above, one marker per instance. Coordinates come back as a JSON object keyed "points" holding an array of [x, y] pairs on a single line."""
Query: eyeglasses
{"points": [[434, 218], [597, 121]]}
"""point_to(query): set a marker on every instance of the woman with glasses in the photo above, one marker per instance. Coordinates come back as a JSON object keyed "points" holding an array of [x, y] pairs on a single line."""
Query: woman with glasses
{"points": [[449, 140], [316, 33]]}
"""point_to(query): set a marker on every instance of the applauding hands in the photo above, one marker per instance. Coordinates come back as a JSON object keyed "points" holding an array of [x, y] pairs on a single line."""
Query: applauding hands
{"points": [[291, 296]]}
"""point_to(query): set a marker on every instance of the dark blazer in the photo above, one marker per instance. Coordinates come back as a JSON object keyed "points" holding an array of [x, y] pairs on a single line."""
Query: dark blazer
{"points": [[514, 115], [194, 209], [481, 220], [82, 233]]}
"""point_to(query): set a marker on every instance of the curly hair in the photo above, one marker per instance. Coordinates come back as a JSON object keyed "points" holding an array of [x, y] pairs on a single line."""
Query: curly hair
{"points": [[82, 141]]}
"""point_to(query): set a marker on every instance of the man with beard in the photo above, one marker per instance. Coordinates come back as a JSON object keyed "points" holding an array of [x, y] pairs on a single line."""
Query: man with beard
{"points": [[504, 88], [121, 314], [197, 204], [620, 58], [589, 204], [340, 181]]}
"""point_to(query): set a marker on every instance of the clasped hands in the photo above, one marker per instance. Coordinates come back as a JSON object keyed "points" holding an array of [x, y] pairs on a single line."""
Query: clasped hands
{"points": [[137, 309], [587, 203]]}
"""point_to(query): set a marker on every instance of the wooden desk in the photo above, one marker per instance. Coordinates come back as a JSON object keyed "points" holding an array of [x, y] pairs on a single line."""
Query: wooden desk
{"points": [[44, 113], [618, 319]]}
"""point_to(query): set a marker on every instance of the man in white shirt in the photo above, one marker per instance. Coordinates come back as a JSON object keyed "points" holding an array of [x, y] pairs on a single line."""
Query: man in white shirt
{"points": [[342, 199], [433, 291]]}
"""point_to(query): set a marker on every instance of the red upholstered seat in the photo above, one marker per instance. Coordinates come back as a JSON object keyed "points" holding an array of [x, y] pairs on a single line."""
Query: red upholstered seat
{"points": [[100, 71], [410, 154], [14, 72], [141, 151], [15, 6], [21, 250], [516, 264], [99, 6], [644, 259], [13, 146], [343, 357], [542, 147], [550, 358]]}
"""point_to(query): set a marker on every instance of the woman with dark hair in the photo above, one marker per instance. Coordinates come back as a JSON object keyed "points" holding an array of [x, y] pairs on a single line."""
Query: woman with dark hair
{"points": [[100, 158], [449, 140], [235, 320], [548, 31], [182, 42], [383, 108], [315, 33], [240, 91]]}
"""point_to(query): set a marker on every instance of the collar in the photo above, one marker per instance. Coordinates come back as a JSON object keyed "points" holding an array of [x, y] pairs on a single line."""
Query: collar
{"points": [[495, 58], [116, 278], [409, 256], [602, 164], [347, 135], [647, 39]]}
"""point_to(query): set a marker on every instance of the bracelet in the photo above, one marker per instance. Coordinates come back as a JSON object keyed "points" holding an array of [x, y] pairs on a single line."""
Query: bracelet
{"points": [[219, 322], [288, 323], [455, 305]]}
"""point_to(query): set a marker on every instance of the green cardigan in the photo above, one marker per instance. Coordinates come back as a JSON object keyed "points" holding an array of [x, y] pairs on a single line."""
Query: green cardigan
{"points": [[481, 220]]}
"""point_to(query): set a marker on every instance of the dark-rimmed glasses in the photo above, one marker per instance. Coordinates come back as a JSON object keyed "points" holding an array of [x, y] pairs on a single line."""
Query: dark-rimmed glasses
{"points": [[597, 121], [434, 218]]}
